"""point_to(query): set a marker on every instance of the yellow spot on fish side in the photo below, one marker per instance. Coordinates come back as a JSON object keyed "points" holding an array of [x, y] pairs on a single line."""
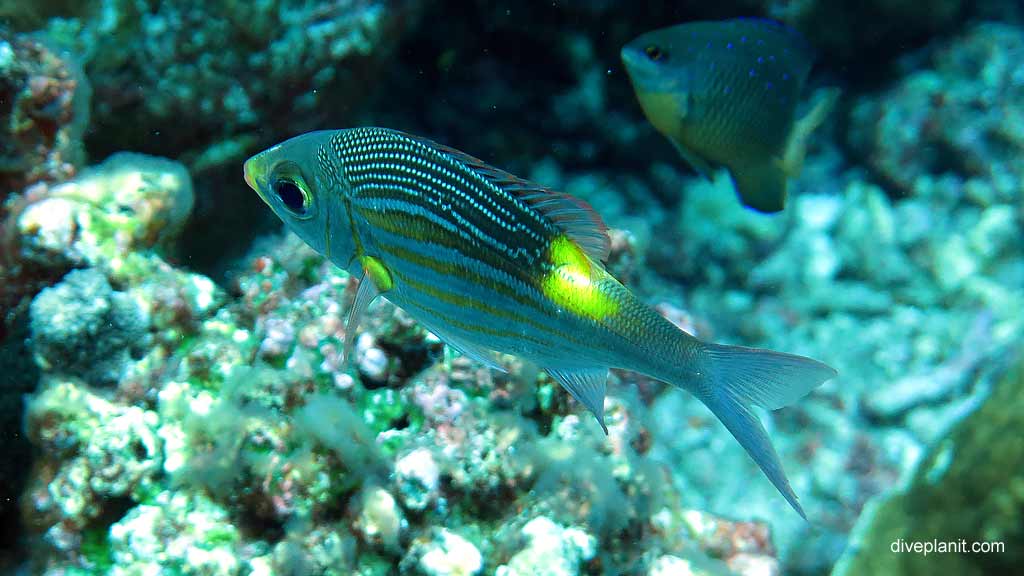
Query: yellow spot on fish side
{"points": [[377, 272], [572, 283]]}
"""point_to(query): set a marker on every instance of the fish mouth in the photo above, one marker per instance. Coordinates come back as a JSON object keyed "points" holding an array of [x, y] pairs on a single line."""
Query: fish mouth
{"points": [[248, 172], [637, 63], [628, 55]]}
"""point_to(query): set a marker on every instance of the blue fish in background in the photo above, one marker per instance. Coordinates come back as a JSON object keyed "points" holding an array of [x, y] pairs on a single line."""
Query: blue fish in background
{"points": [[725, 94]]}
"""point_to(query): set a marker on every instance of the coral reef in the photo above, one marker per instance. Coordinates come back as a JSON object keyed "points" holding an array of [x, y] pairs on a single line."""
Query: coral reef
{"points": [[189, 417], [955, 121], [83, 328], [228, 67], [251, 423], [44, 109], [108, 217], [965, 491]]}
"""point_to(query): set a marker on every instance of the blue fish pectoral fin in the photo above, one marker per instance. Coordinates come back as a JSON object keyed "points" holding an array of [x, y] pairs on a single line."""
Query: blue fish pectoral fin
{"points": [[587, 386], [365, 294], [739, 377], [761, 185], [700, 165]]}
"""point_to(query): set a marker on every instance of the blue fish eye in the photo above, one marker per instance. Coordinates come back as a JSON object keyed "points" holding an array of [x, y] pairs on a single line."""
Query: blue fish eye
{"points": [[655, 53], [291, 195]]}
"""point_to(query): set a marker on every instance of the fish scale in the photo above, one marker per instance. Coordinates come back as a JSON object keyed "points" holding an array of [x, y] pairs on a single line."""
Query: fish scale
{"points": [[491, 262]]}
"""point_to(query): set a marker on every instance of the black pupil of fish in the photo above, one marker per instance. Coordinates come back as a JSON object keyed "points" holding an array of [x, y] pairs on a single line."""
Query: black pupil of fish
{"points": [[654, 53], [291, 195]]}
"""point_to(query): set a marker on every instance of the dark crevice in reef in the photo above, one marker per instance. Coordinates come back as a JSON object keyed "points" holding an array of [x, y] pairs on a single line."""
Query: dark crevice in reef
{"points": [[18, 376]]}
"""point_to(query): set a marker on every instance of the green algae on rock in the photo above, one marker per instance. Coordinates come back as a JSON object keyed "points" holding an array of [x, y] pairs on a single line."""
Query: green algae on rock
{"points": [[967, 489]]}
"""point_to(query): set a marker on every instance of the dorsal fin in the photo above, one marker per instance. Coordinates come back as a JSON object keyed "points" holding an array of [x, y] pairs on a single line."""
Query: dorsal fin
{"points": [[575, 217]]}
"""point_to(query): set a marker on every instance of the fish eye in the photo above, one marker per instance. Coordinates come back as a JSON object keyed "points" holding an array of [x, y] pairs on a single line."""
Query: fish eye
{"points": [[288, 183], [292, 195], [655, 53]]}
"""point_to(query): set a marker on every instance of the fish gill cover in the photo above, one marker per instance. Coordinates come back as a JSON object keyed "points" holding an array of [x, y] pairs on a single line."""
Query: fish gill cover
{"points": [[176, 393]]}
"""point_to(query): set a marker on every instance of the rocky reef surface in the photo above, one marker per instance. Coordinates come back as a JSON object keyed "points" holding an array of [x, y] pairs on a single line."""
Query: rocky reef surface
{"points": [[188, 412]]}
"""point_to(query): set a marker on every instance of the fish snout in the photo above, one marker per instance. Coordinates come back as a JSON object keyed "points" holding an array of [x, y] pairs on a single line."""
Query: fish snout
{"points": [[645, 74], [249, 173]]}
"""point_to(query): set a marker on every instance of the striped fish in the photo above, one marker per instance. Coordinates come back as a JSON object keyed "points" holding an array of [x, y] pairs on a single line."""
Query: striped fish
{"points": [[491, 262]]}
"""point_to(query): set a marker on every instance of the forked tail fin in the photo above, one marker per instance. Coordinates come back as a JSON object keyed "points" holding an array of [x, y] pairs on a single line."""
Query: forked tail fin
{"points": [[738, 377]]}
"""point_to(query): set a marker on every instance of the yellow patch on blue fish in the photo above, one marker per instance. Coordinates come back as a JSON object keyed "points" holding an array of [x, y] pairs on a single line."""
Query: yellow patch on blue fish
{"points": [[725, 94]]}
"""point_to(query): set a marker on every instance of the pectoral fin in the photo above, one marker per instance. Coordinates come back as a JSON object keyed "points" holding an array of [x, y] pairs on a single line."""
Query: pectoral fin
{"points": [[587, 386], [376, 280], [793, 158]]}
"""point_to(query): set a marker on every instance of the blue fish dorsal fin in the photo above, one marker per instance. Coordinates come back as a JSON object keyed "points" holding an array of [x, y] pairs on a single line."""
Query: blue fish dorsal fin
{"points": [[575, 217]]}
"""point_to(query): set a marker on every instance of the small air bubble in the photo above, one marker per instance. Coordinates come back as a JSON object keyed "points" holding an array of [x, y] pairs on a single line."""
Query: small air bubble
{"points": [[729, 46], [760, 60], [753, 73]]}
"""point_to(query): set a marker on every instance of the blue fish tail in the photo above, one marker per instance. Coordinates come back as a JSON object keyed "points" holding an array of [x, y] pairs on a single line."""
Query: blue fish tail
{"points": [[738, 377]]}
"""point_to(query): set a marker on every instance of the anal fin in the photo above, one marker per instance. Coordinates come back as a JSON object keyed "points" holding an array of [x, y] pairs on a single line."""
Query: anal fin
{"points": [[587, 386], [761, 185]]}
